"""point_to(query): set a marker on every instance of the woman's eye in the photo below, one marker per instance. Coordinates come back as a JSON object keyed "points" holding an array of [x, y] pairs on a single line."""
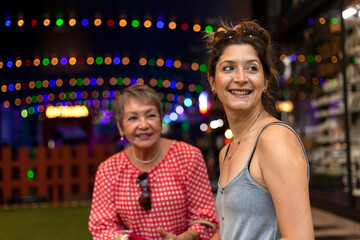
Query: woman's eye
{"points": [[252, 68], [228, 68], [151, 115], [133, 118]]}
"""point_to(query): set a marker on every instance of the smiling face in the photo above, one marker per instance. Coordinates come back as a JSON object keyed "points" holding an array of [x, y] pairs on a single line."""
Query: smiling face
{"points": [[141, 123], [239, 78]]}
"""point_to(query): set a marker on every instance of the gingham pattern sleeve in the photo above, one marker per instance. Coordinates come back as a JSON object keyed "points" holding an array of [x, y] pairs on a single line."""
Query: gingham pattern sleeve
{"points": [[103, 221], [199, 197]]}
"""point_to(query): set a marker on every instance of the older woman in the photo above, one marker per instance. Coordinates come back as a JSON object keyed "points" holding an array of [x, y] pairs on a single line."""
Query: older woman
{"points": [[156, 187], [263, 186]]}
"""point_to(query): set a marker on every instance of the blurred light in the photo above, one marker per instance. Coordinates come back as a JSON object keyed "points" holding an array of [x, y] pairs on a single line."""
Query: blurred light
{"points": [[9, 64], [147, 23], [334, 59], [18, 63], [31, 174], [179, 110], [185, 65], [167, 118], [196, 28], [107, 60], [7, 23], [125, 61], [90, 60], [54, 61], [168, 63], [310, 58], [45, 61], [160, 62], [110, 22], [85, 22], [6, 104], [194, 66], [20, 22], [63, 61], [135, 23], [24, 113], [59, 22], [184, 26], [292, 57], [66, 112], [51, 143], [72, 22], [285, 21], [151, 61], [203, 127], [311, 21], [33, 22], [174, 116], [36, 62], [203, 102], [122, 23], [203, 68], [116, 60], [301, 58], [216, 123], [172, 25], [322, 20], [72, 61], [160, 24], [177, 63], [285, 106], [334, 20], [349, 12], [97, 22], [228, 134], [142, 61], [209, 29], [99, 60]]}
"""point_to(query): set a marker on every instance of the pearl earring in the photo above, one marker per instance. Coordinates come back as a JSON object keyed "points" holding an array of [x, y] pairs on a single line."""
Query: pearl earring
{"points": [[121, 138]]}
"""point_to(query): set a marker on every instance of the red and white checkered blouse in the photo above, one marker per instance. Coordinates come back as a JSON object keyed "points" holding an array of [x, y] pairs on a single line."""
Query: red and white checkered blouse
{"points": [[179, 188]]}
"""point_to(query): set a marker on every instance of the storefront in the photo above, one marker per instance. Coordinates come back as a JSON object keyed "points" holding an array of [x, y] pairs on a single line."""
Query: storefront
{"points": [[320, 49]]}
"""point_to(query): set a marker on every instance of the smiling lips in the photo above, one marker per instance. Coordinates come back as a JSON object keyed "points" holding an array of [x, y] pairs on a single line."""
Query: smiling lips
{"points": [[144, 136], [240, 92]]}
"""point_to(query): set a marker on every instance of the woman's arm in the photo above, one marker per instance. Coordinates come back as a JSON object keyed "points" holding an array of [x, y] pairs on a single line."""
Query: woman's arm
{"points": [[103, 222], [284, 170]]}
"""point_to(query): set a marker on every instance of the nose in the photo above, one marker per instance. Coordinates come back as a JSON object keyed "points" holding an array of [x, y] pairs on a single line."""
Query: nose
{"points": [[143, 124], [239, 76]]}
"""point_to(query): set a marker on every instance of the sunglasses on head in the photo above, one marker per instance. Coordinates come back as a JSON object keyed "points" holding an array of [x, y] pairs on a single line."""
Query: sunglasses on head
{"points": [[144, 197]]}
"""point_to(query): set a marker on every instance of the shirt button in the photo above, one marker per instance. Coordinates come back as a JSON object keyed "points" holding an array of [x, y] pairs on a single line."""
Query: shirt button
{"points": [[222, 192], [222, 218]]}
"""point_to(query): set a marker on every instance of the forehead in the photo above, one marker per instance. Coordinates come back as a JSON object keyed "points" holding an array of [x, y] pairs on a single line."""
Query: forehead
{"points": [[134, 104], [236, 52]]}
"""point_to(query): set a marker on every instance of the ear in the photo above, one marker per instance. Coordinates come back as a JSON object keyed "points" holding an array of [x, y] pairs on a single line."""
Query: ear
{"points": [[120, 130], [267, 81], [211, 81]]}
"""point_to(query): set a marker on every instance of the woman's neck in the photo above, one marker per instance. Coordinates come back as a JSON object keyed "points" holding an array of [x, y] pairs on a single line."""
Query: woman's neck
{"points": [[239, 122]]}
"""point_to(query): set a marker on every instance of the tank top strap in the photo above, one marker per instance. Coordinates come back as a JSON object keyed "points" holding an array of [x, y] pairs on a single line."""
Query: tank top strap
{"points": [[227, 150], [290, 128]]}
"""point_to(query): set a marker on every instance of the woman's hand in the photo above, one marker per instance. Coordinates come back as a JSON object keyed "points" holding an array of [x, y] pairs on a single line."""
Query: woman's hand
{"points": [[188, 235]]}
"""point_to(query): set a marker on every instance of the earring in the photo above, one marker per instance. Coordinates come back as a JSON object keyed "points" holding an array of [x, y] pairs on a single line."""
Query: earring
{"points": [[213, 91], [264, 93], [121, 138]]}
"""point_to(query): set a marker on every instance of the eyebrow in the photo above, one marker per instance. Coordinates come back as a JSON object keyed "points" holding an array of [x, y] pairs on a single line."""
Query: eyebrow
{"points": [[247, 61], [148, 111]]}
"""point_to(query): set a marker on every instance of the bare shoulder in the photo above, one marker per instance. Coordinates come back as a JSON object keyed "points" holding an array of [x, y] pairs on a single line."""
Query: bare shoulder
{"points": [[278, 136], [279, 144]]}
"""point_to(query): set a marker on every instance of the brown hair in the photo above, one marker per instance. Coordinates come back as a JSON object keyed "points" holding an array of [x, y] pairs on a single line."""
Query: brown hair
{"points": [[141, 92], [246, 32]]}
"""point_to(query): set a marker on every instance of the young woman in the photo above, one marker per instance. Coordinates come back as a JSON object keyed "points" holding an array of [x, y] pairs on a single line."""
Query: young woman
{"points": [[263, 186]]}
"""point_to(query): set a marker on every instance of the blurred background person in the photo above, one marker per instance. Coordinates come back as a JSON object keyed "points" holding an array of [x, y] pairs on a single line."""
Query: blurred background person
{"points": [[156, 186]]}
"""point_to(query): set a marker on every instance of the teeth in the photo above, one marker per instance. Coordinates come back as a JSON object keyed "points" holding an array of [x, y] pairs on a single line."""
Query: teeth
{"points": [[240, 92]]}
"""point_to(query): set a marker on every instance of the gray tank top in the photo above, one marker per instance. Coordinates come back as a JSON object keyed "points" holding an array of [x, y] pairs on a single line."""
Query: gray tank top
{"points": [[245, 208]]}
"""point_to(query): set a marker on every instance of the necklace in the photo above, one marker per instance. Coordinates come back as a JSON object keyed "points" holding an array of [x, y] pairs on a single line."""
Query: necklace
{"points": [[150, 160], [238, 143]]}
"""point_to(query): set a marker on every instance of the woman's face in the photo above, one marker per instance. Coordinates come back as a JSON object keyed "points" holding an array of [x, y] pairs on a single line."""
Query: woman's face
{"points": [[141, 123], [239, 78]]}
